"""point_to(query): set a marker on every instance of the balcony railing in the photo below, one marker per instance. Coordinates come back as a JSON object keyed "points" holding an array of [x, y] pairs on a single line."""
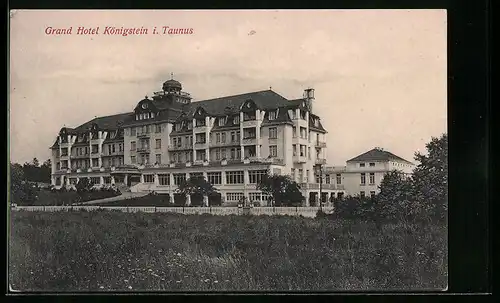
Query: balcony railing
{"points": [[118, 153], [299, 159], [163, 93], [316, 186], [225, 143], [180, 147], [249, 141], [143, 135], [320, 161], [143, 149], [320, 144], [200, 145]]}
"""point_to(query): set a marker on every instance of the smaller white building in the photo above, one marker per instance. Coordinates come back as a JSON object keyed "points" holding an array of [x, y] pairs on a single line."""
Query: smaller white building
{"points": [[363, 174]]}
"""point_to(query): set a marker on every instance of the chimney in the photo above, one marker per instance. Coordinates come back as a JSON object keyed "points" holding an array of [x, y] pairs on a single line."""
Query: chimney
{"points": [[309, 97]]}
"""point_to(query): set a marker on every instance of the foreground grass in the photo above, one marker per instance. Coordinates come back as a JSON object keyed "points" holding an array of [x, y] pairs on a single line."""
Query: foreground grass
{"points": [[82, 251]]}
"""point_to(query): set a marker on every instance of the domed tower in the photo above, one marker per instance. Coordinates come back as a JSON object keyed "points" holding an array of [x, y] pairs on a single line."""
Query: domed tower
{"points": [[172, 92], [172, 86]]}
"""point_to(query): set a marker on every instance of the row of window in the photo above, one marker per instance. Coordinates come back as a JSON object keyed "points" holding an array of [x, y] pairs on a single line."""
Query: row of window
{"points": [[144, 144], [364, 164], [328, 178], [232, 177], [303, 152], [362, 194], [146, 129], [363, 178]]}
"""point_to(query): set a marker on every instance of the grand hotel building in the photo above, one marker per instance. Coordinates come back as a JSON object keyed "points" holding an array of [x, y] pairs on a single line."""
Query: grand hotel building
{"points": [[232, 141]]}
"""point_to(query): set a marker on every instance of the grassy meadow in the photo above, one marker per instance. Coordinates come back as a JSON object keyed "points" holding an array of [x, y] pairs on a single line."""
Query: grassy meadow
{"points": [[107, 250]]}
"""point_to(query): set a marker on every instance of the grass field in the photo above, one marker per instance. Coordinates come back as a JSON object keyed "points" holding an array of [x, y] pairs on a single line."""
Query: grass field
{"points": [[99, 251]]}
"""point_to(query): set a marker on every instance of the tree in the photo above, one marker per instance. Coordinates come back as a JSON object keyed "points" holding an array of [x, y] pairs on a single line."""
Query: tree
{"points": [[84, 185], [197, 188], [21, 192], [394, 199], [284, 191], [430, 178]]}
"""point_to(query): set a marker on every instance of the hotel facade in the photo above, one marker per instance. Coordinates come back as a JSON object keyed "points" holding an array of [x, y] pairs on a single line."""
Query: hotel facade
{"points": [[231, 141]]}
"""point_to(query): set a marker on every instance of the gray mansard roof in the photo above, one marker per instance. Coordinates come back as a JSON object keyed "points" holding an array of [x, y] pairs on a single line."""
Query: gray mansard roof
{"points": [[224, 106]]}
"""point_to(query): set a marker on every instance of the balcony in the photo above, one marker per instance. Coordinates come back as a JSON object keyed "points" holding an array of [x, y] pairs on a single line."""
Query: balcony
{"points": [[143, 135], [143, 149], [299, 159], [180, 147], [200, 145], [118, 153], [95, 154], [324, 186], [320, 144], [225, 143], [249, 141], [201, 129], [249, 123], [64, 157], [320, 161]]}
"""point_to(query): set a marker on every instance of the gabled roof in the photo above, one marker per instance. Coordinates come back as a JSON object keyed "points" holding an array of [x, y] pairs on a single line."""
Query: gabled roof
{"points": [[378, 154], [266, 99], [106, 122]]}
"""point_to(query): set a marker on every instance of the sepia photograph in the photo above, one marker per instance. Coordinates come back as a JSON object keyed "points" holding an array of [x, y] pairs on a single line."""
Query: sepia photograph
{"points": [[227, 151]]}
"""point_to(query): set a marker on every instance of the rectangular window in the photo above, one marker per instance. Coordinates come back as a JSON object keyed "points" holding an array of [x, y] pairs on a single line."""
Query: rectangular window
{"points": [[149, 178], [372, 178], [132, 160], [303, 133], [273, 133], [363, 178], [233, 136], [361, 165], [132, 131], [234, 197], [372, 194], [196, 175], [292, 173], [158, 159], [217, 154], [223, 138], [294, 132], [200, 122], [236, 120], [372, 164], [234, 177], [217, 138], [273, 151], [158, 143], [95, 180], [294, 150], [272, 115], [309, 153], [327, 179], [109, 149], [362, 194], [222, 121], [107, 180], [301, 175], [179, 178], [256, 176], [214, 177], [158, 128], [201, 155], [223, 153], [307, 176], [164, 179], [133, 146]]}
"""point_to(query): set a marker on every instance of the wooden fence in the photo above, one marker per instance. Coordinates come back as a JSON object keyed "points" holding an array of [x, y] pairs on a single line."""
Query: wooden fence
{"points": [[220, 211]]}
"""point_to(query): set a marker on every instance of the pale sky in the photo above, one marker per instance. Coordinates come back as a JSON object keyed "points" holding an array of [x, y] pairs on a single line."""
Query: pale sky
{"points": [[380, 76]]}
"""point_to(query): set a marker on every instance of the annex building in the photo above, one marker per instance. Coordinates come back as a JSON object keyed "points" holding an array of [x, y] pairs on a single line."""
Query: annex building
{"points": [[232, 141], [363, 174]]}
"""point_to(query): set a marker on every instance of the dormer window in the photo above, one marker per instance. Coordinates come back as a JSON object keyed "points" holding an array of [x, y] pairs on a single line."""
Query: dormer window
{"points": [[222, 121], [200, 122], [236, 120], [136, 117], [178, 126], [272, 115], [316, 122], [250, 116], [190, 124], [152, 115]]}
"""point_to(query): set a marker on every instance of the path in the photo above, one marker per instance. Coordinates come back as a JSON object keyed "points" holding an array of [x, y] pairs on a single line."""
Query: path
{"points": [[123, 196]]}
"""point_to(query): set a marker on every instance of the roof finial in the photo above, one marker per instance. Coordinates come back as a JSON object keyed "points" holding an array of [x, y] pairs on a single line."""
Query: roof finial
{"points": [[145, 97], [270, 88], [171, 76]]}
